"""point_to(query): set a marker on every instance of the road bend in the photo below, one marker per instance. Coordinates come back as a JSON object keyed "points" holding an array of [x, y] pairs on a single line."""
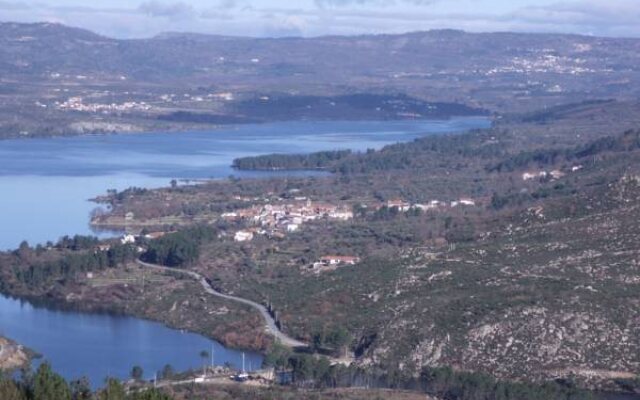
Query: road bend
{"points": [[270, 323]]}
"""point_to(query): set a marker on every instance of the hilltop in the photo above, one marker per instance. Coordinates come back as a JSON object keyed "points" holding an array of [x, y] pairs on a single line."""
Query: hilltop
{"points": [[61, 80]]}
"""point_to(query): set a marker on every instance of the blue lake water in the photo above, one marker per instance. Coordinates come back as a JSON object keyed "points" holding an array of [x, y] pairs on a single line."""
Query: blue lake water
{"points": [[99, 346], [45, 186], [45, 183]]}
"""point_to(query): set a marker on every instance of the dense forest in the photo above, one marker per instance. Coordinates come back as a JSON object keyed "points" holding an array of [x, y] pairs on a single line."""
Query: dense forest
{"points": [[85, 257], [45, 384], [319, 160], [418, 154], [628, 141], [180, 248], [447, 150]]}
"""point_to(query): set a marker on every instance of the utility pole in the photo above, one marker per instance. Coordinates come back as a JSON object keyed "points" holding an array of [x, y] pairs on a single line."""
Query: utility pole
{"points": [[212, 355]]}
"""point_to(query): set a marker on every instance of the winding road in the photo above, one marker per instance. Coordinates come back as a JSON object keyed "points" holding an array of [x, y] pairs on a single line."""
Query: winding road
{"points": [[270, 323]]}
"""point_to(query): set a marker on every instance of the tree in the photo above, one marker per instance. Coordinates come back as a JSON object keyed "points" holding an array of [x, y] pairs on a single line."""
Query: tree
{"points": [[180, 248], [10, 391], [137, 373], [80, 389], [113, 391], [340, 338], [167, 372], [47, 385], [277, 357], [152, 394], [24, 251], [205, 357], [303, 367], [337, 339]]}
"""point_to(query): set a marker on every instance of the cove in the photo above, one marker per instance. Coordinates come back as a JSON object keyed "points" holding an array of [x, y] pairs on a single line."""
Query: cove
{"points": [[100, 345], [46, 183]]}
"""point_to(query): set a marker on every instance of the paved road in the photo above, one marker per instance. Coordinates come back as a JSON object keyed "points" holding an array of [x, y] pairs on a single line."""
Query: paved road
{"points": [[270, 323]]}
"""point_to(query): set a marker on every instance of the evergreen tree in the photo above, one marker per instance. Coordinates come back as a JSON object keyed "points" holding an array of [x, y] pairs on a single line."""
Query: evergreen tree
{"points": [[113, 391], [47, 385], [81, 390], [10, 391], [137, 373]]}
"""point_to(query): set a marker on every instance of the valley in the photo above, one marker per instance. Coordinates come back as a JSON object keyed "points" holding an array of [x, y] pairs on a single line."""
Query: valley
{"points": [[439, 213]]}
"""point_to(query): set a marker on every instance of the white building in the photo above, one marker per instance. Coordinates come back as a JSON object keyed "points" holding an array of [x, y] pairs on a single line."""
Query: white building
{"points": [[243, 236], [341, 215], [128, 239], [401, 205], [527, 176]]}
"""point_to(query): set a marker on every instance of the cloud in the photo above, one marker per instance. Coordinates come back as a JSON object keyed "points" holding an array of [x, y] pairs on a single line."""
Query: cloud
{"points": [[229, 4], [332, 17], [10, 5], [609, 18], [379, 3], [175, 10], [345, 3]]}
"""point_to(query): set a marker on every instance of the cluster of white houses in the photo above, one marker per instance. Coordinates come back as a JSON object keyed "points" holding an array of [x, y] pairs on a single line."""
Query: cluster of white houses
{"points": [[555, 174], [277, 220], [404, 206], [77, 104]]}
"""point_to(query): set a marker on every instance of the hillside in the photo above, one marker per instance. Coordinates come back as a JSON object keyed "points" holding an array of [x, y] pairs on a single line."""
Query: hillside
{"points": [[61, 80], [510, 251]]}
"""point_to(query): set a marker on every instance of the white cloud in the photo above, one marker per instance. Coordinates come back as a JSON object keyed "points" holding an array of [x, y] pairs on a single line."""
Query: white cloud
{"points": [[260, 18], [10, 5], [156, 8], [378, 3]]}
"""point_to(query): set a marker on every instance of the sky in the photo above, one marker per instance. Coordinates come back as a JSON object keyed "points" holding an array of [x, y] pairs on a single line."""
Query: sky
{"points": [[277, 18]]}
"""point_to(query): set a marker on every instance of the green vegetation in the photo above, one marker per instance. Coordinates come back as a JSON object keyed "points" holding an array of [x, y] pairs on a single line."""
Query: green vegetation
{"points": [[445, 383], [70, 265], [337, 339], [451, 385], [319, 160], [537, 269], [626, 142], [137, 373], [45, 384], [179, 249]]}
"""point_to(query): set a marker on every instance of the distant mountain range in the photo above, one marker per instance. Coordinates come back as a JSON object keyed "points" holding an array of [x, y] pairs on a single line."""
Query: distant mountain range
{"points": [[500, 72]]}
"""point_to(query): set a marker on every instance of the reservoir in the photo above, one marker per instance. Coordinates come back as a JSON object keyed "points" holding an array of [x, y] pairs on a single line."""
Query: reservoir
{"points": [[99, 346], [46, 184]]}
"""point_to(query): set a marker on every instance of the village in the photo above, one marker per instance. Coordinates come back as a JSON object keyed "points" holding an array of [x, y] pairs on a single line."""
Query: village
{"points": [[278, 219], [77, 104]]}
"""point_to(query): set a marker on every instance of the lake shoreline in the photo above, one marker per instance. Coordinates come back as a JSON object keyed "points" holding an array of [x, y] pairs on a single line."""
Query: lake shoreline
{"points": [[70, 170], [214, 128], [14, 356], [67, 306], [367, 134]]}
